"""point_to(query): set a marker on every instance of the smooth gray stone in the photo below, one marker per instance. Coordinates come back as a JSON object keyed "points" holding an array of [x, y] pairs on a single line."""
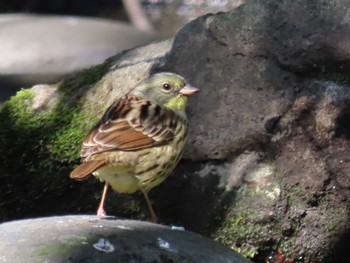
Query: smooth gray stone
{"points": [[91, 239], [39, 49]]}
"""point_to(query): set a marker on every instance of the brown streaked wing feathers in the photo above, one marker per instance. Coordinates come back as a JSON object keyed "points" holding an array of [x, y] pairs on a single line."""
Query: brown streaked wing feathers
{"points": [[86, 168], [124, 139], [116, 132]]}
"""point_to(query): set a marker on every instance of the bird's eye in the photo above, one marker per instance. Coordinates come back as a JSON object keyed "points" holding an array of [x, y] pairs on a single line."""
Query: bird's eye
{"points": [[166, 87]]}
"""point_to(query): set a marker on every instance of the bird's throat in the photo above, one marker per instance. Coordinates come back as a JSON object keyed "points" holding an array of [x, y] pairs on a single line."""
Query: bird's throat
{"points": [[178, 103]]}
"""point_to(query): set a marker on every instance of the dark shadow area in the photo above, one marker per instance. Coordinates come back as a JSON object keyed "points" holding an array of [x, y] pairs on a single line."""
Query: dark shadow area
{"points": [[340, 252], [103, 8], [343, 122], [192, 198]]}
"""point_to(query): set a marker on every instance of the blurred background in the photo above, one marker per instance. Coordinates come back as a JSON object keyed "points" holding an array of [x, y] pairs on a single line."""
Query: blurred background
{"points": [[165, 16], [43, 41]]}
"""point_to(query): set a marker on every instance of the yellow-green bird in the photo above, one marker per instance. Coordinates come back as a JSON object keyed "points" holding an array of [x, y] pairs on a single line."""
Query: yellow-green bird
{"points": [[140, 138]]}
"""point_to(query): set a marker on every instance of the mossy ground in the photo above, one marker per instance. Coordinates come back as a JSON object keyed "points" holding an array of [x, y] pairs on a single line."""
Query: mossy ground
{"points": [[40, 148], [243, 228], [268, 231]]}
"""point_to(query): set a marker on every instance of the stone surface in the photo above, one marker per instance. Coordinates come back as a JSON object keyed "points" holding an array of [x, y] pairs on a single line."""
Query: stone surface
{"points": [[266, 163], [38, 49], [92, 239]]}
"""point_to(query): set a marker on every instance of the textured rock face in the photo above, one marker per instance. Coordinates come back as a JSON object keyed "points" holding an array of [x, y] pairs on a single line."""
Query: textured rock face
{"points": [[266, 163], [249, 58], [91, 239], [273, 109]]}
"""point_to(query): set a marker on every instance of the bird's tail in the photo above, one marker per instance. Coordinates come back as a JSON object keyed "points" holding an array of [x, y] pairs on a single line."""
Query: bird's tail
{"points": [[86, 168]]}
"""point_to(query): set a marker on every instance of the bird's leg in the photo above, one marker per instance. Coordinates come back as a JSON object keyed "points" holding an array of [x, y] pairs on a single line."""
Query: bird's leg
{"points": [[100, 211], [154, 218]]}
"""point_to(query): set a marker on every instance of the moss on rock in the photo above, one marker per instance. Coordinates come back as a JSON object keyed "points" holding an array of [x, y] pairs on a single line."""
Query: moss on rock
{"points": [[39, 148], [244, 222]]}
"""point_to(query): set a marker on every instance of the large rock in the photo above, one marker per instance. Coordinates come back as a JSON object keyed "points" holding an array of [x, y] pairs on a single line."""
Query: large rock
{"points": [[92, 239], [38, 49], [265, 164]]}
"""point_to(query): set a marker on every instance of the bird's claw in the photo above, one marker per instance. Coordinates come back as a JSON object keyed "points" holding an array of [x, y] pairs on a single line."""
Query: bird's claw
{"points": [[101, 212]]}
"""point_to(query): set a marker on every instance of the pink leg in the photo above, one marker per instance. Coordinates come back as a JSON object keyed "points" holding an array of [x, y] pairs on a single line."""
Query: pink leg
{"points": [[154, 218], [100, 211]]}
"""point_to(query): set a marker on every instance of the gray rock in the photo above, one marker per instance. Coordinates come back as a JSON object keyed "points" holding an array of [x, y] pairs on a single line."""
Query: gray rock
{"points": [[91, 239], [38, 49]]}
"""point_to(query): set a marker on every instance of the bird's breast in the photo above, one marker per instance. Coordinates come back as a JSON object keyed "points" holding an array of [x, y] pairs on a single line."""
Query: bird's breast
{"points": [[159, 162]]}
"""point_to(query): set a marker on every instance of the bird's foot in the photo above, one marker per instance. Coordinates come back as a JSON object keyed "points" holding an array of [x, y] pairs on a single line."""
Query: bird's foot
{"points": [[101, 212], [154, 219]]}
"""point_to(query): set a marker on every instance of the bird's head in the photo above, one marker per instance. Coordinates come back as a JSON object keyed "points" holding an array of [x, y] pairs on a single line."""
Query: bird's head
{"points": [[166, 89]]}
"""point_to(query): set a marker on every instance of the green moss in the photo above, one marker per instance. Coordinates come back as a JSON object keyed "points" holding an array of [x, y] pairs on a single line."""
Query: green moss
{"points": [[134, 207], [288, 221], [40, 148], [16, 123], [54, 250], [340, 79], [15, 112], [71, 128], [243, 229]]}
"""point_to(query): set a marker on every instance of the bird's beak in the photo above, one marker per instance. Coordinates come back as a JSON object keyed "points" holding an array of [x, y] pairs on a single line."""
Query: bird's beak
{"points": [[188, 90]]}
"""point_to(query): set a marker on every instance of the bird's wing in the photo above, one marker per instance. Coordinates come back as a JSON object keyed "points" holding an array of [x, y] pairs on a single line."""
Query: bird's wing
{"points": [[130, 124], [86, 168]]}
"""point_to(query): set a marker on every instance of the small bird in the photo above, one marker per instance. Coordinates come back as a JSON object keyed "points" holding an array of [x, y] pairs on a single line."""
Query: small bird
{"points": [[140, 138]]}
